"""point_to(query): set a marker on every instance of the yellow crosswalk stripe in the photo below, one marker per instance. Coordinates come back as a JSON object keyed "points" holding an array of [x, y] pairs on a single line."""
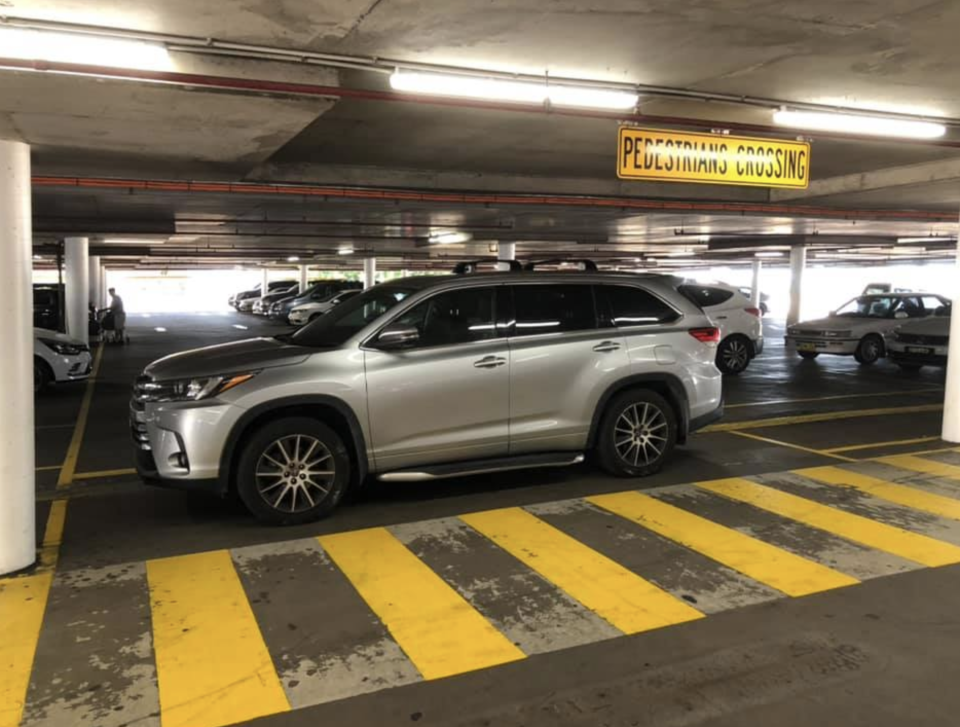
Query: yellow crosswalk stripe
{"points": [[909, 496], [618, 595], [926, 466], [213, 667], [888, 538], [780, 569], [436, 627], [22, 603]]}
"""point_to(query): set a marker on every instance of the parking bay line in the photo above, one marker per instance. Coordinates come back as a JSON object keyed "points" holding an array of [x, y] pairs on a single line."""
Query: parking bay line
{"points": [[436, 627], [877, 445], [768, 564], [819, 417], [104, 473], [880, 536], [73, 451], [790, 445], [773, 402], [619, 596], [926, 466]]}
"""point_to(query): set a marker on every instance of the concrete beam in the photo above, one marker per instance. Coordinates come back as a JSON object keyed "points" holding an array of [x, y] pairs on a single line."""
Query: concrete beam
{"points": [[944, 170]]}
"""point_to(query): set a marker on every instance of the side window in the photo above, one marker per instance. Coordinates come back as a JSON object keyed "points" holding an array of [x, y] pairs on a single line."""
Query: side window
{"points": [[911, 306], [630, 306], [705, 296], [931, 304], [458, 316], [553, 309]]}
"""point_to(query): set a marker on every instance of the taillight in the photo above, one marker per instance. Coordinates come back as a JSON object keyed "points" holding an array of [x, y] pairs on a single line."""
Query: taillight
{"points": [[706, 335], [754, 311]]}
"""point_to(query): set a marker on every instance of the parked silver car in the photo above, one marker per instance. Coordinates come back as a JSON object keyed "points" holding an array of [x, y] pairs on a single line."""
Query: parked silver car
{"points": [[431, 377]]}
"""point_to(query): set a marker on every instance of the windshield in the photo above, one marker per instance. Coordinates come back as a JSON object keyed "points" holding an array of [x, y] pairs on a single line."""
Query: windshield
{"points": [[350, 317], [871, 306]]}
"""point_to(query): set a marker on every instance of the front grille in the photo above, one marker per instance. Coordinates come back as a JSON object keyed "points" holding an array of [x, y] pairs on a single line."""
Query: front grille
{"points": [[808, 332], [921, 340]]}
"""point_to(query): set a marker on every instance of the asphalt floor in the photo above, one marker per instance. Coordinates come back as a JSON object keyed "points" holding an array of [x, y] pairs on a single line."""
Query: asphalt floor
{"points": [[790, 564]]}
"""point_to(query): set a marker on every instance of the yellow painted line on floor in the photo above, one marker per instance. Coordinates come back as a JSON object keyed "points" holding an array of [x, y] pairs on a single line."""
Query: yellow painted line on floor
{"points": [[773, 402], [876, 487], [434, 625], [213, 667], [621, 597], [22, 604], [926, 466], [790, 445], [104, 473], [73, 451], [877, 445], [49, 467], [53, 535], [922, 452], [778, 568], [826, 416], [888, 538]]}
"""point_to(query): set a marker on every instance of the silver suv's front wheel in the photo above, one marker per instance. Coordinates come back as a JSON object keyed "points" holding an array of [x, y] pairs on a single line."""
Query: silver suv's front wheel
{"points": [[292, 471], [637, 433]]}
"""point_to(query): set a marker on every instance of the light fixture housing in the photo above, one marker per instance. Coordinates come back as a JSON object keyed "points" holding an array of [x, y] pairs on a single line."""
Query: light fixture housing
{"points": [[293, 259], [929, 238], [501, 89], [449, 238], [862, 124], [769, 253], [345, 251], [93, 50]]}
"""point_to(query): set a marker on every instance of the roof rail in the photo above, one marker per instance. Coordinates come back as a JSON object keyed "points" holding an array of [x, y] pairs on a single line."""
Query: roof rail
{"points": [[470, 266], [586, 264]]}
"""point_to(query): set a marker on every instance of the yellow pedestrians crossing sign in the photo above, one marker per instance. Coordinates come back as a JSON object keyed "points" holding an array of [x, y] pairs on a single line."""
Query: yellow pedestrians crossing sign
{"points": [[668, 156]]}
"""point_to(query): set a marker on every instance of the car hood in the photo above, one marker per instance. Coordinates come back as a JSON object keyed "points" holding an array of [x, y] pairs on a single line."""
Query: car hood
{"points": [[933, 326], [227, 358], [56, 336]]}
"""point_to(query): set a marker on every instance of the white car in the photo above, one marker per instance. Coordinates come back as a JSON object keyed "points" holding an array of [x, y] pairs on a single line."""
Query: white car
{"points": [[307, 312], [58, 358], [858, 328], [741, 328], [921, 343]]}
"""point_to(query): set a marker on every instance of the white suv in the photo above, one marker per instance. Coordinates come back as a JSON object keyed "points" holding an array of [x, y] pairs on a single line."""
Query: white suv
{"points": [[741, 330]]}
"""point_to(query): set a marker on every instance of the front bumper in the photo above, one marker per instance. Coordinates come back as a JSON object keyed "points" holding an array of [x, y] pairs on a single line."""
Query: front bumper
{"points": [[298, 319], [838, 346]]}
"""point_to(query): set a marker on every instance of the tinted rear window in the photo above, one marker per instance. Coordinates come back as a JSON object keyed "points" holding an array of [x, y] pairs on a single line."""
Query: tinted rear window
{"points": [[553, 309], [706, 296], [630, 306]]}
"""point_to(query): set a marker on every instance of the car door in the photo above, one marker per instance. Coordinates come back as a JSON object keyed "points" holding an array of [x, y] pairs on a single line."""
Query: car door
{"points": [[446, 398], [561, 363]]}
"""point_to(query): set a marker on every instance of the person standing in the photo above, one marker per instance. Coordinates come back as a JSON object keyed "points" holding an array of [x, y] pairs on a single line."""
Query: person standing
{"points": [[119, 316]]}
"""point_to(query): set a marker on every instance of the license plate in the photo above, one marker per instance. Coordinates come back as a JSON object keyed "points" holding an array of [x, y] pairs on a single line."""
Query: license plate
{"points": [[919, 349], [806, 346]]}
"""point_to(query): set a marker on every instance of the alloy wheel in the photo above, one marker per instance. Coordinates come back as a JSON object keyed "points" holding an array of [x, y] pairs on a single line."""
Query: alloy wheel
{"points": [[640, 434], [295, 473], [735, 355]]}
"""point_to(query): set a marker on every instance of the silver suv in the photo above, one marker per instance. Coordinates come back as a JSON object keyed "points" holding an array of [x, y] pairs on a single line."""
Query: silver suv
{"points": [[430, 377]]}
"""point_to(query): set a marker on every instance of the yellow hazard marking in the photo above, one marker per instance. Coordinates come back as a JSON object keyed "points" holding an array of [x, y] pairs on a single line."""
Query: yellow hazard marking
{"points": [[213, 667], [22, 603], [436, 627], [73, 451], [926, 466], [888, 538], [820, 417], [621, 597], [768, 564]]}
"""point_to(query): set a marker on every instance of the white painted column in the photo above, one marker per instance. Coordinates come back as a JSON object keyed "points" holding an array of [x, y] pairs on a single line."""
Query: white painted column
{"points": [[76, 283], [951, 400], [369, 272], [755, 289], [265, 279], [96, 293], [506, 251], [102, 303], [798, 261], [303, 279], [18, 540]]}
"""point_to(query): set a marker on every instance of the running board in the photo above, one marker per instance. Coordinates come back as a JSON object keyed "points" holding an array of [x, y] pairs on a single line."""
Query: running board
{"points": [[483, 467]]}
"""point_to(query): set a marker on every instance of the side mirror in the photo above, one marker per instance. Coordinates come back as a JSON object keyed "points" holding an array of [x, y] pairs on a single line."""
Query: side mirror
{"points": [[900, 315], [395, 338]]}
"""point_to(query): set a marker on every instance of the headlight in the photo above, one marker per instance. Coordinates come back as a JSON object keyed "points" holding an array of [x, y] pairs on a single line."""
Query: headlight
{"points": [[64, 349], [196, 389]]}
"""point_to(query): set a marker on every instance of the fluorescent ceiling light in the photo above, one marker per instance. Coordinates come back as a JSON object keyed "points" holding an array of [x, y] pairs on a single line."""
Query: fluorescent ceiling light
{"points": [[679, 253], [771, 253], [498, 89], [126, 240], [293, 259], [857, 124], [929, 238], [345, 251], [449, 238], [93, 50]]}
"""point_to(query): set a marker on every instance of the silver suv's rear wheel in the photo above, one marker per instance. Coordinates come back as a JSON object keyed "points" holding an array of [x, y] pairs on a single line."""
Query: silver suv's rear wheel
{"points": [[293, 471], [637, 434]]}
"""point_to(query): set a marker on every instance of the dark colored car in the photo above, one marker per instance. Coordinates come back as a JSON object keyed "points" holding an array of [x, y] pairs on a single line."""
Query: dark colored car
{"points": [[272, 287], [47, 306], [319, 291]]}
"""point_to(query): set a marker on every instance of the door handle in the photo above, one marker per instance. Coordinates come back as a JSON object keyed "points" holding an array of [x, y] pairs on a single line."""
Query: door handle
{"points": [[489, 362], [606, 347]]}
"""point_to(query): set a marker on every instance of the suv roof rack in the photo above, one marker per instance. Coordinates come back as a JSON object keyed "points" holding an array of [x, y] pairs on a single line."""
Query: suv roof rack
{"points": [[470, 266], [586, 264]]}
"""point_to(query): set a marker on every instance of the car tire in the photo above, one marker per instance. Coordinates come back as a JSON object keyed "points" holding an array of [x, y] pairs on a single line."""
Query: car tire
{"points": [[912, 367], [733, 355], [290, 496], [808, 355], [870, 350], [633, 423], [42, 376]]}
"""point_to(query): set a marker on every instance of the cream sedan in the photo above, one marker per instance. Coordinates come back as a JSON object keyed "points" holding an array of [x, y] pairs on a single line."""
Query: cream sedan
{"points": [[307, 312]]}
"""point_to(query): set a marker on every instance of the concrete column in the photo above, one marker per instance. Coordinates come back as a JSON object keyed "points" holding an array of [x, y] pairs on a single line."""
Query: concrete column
{"points": [[506, 251], [369, 272], [102, 303], [303, 279], [951, 400], [755, 289], [798, 261], [76, 283], [18, 541], [265, 279], [96, 292]]}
